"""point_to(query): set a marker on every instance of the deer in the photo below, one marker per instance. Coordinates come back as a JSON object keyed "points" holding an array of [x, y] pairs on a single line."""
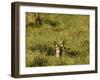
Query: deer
{"points": [[58, 47]]}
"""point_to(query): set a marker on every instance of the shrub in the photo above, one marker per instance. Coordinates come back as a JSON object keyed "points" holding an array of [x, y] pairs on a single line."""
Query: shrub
{"points": [[38, 60]]}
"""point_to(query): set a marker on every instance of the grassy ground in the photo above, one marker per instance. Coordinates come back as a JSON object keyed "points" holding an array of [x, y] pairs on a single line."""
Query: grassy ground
{"points": [[72, 29]]}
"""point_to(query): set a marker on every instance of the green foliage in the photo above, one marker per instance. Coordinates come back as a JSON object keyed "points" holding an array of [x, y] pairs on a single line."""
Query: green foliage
{"points": [[72, 29]]}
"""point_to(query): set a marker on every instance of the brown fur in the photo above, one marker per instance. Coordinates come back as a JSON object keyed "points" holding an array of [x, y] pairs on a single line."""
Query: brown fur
{"points": [[58, 48]]}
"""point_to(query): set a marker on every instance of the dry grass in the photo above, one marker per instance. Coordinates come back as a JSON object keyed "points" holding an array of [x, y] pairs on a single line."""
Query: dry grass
{"points": [[72, 29]]}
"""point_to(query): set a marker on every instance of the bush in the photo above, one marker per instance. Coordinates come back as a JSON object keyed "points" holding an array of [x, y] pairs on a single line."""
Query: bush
{"points": [[38, 60]]}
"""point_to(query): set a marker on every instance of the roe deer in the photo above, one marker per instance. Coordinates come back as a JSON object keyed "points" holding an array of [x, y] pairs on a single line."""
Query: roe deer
{"points": [[58, 48]]}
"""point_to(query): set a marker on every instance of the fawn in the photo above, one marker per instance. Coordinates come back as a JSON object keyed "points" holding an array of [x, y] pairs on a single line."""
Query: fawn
{"points": [[58, 47]]}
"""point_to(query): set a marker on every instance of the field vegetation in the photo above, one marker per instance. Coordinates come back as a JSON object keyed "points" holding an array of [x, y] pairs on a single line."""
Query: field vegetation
{"points": [[41, 34]]}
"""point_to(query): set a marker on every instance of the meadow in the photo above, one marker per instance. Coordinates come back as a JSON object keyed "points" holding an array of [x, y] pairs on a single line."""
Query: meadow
{"points": [[70, 28]]}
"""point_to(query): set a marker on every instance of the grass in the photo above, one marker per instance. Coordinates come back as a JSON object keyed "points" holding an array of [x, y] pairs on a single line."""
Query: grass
{"points": [[72, 29]]}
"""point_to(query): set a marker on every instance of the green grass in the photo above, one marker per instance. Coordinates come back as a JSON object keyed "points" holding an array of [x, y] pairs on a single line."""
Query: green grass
{"points": [[72, 29]]}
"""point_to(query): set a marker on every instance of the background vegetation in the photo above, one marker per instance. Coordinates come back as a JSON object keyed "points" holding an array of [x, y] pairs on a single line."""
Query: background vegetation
{"points": [[40, 37]]}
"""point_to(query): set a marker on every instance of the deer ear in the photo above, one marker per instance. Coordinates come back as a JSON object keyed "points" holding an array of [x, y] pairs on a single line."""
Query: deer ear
{"points": [[55, 42], [63, 42]]}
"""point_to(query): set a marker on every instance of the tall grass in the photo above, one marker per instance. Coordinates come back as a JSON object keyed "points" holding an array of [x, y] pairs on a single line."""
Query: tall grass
{"points": [[72, 29]]}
